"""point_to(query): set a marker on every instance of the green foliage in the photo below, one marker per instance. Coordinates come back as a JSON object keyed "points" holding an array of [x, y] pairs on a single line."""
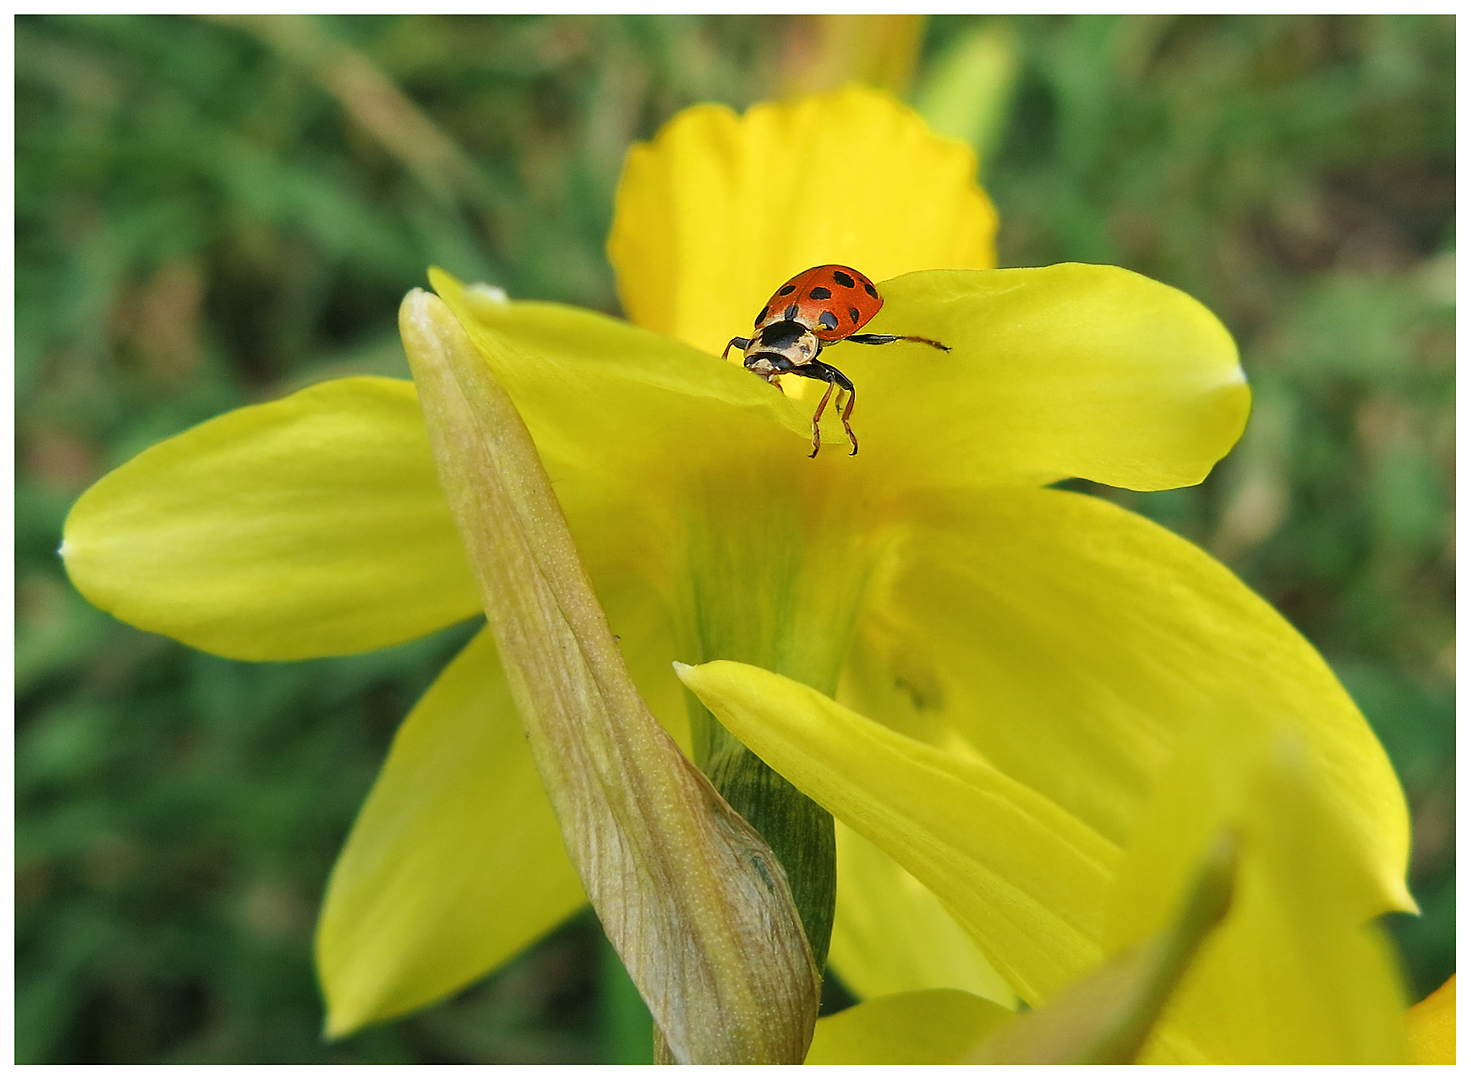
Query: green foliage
{"points": [[211, 212]]}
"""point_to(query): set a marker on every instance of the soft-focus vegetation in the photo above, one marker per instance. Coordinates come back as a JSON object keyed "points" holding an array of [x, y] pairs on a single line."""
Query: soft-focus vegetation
{"points": [[213, 212]]}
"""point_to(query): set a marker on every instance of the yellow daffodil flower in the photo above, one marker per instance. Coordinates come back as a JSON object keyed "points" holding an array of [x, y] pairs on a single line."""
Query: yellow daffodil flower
{"points": [[1065, 652]]}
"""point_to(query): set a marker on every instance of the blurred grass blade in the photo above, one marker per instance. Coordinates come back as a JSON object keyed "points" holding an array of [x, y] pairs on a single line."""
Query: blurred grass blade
{"points": [[1105, 1018], [374, 102], [967, 91], [689, 895]]}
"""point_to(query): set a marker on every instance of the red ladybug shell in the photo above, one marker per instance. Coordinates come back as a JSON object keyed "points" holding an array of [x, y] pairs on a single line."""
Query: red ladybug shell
{"points": [[832, 301]]}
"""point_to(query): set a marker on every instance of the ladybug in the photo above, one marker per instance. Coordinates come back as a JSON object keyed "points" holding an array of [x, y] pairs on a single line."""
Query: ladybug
{"points": [[818, 307]]}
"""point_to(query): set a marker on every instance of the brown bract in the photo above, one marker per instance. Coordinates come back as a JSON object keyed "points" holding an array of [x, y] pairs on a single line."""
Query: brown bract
{"points": [[688, 894]]}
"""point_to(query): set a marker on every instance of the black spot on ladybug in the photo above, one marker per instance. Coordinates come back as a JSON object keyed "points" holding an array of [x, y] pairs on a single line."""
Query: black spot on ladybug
{"points": [[786, 290], [820, 293], [842, 279], [791, 312], [828, 319], [868, 288], [853, 314], [760, 315]]}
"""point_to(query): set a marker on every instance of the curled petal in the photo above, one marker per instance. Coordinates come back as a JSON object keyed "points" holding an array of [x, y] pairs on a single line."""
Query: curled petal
{"points": [[309, 526], [1055, 371], [720, 209], [457, 827]]}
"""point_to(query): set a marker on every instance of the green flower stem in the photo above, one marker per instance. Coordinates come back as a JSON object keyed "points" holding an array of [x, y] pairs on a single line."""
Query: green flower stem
{"points": [[799, 832], [757, 596]]}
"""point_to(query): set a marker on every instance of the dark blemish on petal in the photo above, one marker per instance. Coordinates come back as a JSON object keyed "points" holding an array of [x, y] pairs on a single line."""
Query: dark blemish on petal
{"points": [[868, 288], [828, 319], [786, 290], [842, 279], [853, 314], [820, 293]]}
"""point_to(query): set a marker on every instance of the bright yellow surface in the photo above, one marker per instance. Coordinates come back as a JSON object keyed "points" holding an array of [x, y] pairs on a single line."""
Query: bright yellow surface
{"points": [[309, 526], [1055, 371], [1073, 644], [720, 209], [455, 863], [893, 935], [1025, 879], [926, 1027], [1295, 975], [1430, 1026]]}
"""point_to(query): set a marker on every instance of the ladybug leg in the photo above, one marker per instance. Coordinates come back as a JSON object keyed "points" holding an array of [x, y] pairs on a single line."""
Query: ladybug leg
{"points": [[835, 380], [889, 339], [847, 412], [742, 343], [816, 431]]}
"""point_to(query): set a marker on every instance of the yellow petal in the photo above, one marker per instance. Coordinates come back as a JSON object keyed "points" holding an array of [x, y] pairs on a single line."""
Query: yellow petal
{"points": [[892, 935], [1107, 1016], [927, 1027], [611, 404], [1067, 370], [1074, 644], [1024, 878], [719, 210], [455, 863], [309, 526], [1430, 1026]]}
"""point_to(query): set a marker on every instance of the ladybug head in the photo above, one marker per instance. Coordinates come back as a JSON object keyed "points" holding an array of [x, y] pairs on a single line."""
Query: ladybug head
{"points": [[788, 339]]}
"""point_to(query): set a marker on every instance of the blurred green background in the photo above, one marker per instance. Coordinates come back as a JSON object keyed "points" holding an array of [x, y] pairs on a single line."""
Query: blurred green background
{"points": [[215, 212]]}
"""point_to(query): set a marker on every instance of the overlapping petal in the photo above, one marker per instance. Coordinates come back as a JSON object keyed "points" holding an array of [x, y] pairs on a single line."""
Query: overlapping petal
{"points": [[1295, 974], [1074, 644], [1026, 879], [1299, 973], [1061, 371], [611, 404], [925, 1027], [455, 863], [309, 526], [719, 210], [892, 935]]}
